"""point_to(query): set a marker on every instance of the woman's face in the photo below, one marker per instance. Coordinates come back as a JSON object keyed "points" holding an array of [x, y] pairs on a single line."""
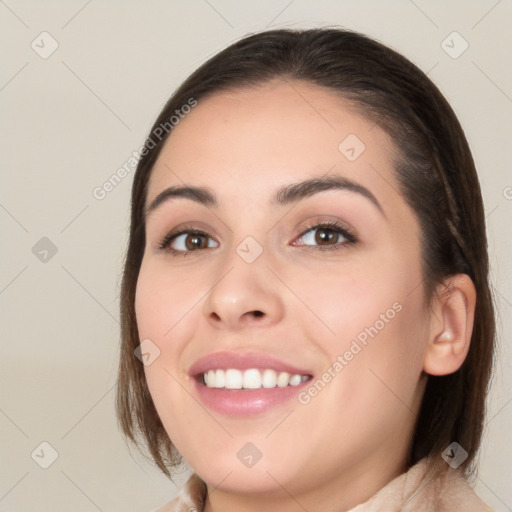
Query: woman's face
{"points": [[264, 289]]}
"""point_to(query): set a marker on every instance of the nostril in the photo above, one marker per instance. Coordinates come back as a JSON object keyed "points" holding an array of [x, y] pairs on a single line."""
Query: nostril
{"points": [[257, 313]]}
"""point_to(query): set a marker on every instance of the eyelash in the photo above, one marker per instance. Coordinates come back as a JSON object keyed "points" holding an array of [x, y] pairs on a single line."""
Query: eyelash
{"points": [[331, 226]]}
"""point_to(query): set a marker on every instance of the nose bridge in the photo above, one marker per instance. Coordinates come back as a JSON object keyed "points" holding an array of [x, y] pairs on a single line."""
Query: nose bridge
{"points": [[244, 290]]}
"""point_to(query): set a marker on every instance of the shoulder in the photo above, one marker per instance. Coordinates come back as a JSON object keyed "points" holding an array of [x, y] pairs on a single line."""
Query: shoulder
{"points": [[191, 497]]}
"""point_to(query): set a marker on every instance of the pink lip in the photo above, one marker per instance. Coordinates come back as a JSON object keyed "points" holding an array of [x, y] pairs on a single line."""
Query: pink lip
{"points": [[243, 402]]}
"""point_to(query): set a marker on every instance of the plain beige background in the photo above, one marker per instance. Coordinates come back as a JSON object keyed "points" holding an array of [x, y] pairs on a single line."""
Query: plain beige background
{"points": [[71, 118]]}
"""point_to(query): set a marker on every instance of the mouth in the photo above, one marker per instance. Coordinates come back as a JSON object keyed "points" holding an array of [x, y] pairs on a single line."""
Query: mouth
{"points": [[244, 384]]}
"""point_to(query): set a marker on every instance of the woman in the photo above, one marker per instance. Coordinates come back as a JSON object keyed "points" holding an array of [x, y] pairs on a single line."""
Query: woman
{"points": [[306, 314]]}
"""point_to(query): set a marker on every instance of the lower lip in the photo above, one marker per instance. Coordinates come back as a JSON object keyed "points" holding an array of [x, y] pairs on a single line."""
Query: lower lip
{"points": [[246, 402]]}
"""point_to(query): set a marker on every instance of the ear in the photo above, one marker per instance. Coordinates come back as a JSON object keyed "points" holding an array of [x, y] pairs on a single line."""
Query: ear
{"points": [[451, 326]]}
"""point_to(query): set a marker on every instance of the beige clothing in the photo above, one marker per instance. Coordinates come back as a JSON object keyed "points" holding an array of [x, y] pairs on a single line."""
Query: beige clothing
{"points": [[451, 493]]}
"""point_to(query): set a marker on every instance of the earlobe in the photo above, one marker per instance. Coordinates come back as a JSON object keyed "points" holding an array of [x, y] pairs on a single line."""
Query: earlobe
{"points": [[451, 326]]}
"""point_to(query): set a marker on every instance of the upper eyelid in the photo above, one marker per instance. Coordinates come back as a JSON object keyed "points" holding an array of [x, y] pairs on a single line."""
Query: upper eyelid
{"points": [[319, 219]]}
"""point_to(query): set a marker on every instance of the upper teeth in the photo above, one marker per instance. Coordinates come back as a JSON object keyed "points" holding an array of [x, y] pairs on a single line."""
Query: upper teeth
{"points": [[251, 379]]}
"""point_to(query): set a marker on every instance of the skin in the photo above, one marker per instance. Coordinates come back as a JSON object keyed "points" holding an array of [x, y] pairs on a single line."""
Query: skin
{"points": [[351, 439]]}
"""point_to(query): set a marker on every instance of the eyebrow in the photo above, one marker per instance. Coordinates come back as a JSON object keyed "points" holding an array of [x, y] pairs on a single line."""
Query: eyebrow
{"points": [[284, 196]]}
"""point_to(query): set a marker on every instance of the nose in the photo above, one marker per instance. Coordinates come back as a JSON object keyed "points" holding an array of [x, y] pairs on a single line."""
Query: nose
{"points": [[245, 294]]}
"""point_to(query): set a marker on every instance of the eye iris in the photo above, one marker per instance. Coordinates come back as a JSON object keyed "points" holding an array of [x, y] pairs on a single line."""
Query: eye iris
{"points": [[324, 235], [191, 242]]}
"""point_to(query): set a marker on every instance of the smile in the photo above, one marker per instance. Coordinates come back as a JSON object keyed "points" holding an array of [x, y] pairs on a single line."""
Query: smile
{"points": [[244, 383], [253, 378]]}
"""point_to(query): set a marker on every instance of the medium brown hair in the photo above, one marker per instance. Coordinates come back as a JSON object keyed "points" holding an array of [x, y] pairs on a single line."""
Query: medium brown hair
{"points": [[437, 178]]}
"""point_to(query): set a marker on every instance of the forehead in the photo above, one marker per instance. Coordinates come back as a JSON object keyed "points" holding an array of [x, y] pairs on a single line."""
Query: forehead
{"points": [[255, 139]]}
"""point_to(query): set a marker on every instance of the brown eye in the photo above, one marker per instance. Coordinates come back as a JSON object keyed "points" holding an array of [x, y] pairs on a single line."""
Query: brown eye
{"points": [[327, 236], [185, 242]]}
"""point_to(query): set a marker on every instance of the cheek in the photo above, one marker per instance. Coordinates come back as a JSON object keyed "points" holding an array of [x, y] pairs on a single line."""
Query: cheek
{"points": [[381, 357], [342, 304], [168, 305], [161, 306], [372, 318], [164, 303], [164, 311], [371, 386]]}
